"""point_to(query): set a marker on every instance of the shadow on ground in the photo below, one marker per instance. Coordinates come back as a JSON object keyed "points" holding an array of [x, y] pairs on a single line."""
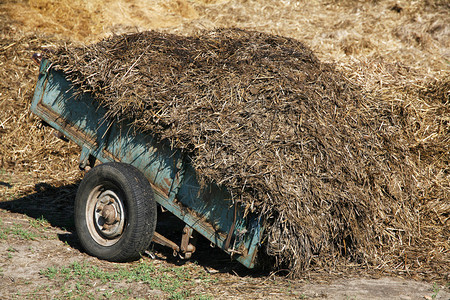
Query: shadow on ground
{"points": [[54, 204]]}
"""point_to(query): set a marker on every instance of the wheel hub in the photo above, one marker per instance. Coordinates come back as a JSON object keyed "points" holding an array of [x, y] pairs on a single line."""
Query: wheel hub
{"points": [[109, 215]]}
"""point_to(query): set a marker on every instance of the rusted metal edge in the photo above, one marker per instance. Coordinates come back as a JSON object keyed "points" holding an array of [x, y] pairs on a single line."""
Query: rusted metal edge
{"points": [[69, 129]]}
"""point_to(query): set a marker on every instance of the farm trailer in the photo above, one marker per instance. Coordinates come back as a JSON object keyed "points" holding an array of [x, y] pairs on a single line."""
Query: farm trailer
{"points": [[115, 206]]}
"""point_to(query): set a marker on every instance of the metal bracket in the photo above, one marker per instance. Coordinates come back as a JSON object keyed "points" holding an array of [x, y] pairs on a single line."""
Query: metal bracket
{"points": [[187, 248], [231, 231], [60, 136], [86, 159]]}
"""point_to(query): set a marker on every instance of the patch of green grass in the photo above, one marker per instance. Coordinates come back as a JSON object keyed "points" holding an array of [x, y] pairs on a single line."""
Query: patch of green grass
{"points": [[39, 223], [79, 278], [2, 234], [51, 272], [19, 231], [436, 289], [203, 297]]}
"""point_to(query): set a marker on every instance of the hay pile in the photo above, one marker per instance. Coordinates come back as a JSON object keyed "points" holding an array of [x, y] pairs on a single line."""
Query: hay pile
{"points": [[29, 153], [326, 166]]}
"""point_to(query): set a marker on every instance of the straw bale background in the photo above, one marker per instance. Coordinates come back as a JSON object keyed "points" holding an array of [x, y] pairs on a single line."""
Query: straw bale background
{"points": [[395, 51]]}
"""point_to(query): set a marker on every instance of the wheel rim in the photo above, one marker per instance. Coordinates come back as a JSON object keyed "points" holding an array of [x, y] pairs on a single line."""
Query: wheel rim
{"points": [[105, 215]]}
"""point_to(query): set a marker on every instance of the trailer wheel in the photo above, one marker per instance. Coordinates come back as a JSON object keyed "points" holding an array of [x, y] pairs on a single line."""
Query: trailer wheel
{"points": [[115, 212]]}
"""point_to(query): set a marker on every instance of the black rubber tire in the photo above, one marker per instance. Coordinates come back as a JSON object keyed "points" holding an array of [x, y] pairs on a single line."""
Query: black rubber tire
{"points": [[137, 211]]}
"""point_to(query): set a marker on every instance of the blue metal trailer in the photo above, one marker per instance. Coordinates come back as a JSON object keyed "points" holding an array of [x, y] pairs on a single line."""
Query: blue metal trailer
{"points": [[115, 206]]}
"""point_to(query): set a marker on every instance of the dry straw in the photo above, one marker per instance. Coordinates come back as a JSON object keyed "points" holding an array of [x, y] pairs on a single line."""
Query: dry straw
{"points": [[329, 168]]}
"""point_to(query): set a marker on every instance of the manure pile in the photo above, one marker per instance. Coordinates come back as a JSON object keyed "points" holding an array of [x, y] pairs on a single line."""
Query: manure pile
{"points": [[324, 164]]}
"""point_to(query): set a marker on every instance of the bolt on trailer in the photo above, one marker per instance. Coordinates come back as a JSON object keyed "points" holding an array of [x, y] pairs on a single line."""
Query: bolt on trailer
{"points": [[116, 202]]}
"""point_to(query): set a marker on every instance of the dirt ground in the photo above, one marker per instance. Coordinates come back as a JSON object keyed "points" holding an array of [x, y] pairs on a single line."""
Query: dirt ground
{"points": [[382, 45], [23, 260]]}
